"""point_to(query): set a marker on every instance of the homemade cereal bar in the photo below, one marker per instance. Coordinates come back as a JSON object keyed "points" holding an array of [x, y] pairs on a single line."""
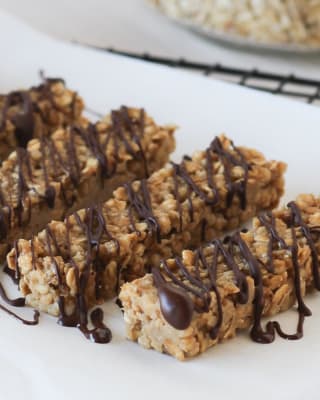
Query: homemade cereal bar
{"points": [[36, 112], [76, 167], [202, 297], [74, 264]]}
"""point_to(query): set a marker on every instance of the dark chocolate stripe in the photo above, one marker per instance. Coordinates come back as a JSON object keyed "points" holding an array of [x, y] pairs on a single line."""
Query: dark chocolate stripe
{"points": [[19, 302], [140, 202], [94, 228]]}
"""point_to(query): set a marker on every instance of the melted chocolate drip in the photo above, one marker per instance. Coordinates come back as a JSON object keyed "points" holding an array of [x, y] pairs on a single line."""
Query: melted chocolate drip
{"points": [[140, 202], [226, 249], [93, 142], [176, 305], [119, 303], [94, 227], [19, 302], [34, 321], [121, 120], [296, 221], [230, 160], [100, 333], [10, 273]]}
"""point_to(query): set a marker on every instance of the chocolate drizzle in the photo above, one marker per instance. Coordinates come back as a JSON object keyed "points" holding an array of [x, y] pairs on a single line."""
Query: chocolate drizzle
{"points": [[235, 250], [94, 228], [229, 160], [24, 118], [140, 202], [19, 302], [53, 163], [230, 157], [121, 119], [34, 321], [296, 221]]}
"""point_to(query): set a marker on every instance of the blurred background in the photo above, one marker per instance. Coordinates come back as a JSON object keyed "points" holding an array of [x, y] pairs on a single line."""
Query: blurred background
{"points": [[135, 26]]}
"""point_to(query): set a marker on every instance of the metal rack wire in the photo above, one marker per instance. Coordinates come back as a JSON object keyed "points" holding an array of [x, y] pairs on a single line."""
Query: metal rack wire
{"points": [[303, 89]]}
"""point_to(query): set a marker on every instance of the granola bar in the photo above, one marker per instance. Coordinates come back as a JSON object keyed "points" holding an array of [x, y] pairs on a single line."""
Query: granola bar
{"points": [[76, 166], [26, 114], [198, 299], [74, 264]]}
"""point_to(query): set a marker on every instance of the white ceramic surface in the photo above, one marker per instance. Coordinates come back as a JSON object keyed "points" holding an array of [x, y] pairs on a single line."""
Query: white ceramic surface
{"points": [[51, 362]]}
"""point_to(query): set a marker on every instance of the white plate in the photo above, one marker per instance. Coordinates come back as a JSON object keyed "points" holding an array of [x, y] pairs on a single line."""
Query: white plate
{"points": [[51, 362]]}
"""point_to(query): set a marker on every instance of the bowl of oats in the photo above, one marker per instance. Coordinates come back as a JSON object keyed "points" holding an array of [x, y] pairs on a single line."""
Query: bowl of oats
{"points": [[286, 25]]}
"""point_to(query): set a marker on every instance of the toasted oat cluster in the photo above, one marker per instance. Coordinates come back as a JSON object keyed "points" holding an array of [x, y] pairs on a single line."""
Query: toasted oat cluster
{"points": [[75, 167], [202, 297], [39, 111], [72, 265], [275, 21]]}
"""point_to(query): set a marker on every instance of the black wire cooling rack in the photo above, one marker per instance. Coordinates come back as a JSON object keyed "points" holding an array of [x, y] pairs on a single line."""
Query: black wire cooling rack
{"points": [[303, 89]]}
